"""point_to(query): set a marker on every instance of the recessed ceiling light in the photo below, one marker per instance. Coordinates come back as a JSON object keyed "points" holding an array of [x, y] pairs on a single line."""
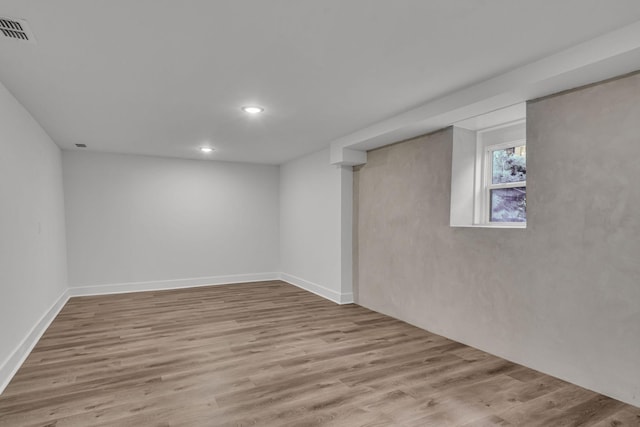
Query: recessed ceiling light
{"points": [[252, 109], [206, 149]]}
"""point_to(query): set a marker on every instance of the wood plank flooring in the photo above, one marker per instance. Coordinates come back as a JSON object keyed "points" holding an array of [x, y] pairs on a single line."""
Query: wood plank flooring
{"points": [[270, 354]]}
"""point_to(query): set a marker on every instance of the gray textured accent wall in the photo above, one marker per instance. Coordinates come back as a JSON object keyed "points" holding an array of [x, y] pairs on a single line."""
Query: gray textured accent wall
{"points": [[562, 296]]}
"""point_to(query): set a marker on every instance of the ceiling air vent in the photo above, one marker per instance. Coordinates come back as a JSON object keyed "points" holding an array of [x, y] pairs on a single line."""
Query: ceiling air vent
{"points": [[16, 29]]}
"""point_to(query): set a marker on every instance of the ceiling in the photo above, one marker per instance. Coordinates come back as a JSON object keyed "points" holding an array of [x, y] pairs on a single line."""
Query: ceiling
{"points": [[164, 77]]}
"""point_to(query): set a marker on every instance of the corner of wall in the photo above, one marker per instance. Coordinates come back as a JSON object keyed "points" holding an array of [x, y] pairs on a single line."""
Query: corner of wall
{"points": [[20, 353]]}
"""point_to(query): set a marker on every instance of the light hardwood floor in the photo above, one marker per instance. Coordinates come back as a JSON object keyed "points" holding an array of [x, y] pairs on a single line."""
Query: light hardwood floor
{"points": [[270, 354]]}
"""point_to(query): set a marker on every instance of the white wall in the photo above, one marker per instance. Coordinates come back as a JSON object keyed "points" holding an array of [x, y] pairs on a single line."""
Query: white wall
{"points": [[315, 221], [33, 266], [168, 222]]}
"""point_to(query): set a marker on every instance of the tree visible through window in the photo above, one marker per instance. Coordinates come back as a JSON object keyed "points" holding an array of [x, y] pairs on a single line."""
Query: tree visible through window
{"points": [[506, 189]]}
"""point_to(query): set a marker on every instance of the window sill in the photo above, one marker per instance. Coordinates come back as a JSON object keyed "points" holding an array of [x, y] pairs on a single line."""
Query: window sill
{"points": [[518, 226]]}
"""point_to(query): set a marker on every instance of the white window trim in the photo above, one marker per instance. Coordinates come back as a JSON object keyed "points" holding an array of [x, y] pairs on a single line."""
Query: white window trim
{"points": [[487, 186], [483, 178]]}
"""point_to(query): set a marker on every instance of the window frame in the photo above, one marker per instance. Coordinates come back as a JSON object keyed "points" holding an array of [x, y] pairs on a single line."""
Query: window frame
{"points": [[488, 185]]}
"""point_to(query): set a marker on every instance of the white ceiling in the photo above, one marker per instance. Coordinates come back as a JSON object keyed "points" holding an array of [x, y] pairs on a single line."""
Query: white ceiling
{"points": [[165, 77]]}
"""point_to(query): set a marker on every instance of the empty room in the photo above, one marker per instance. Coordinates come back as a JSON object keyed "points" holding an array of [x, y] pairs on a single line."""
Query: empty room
{"points": [[320, 213]]}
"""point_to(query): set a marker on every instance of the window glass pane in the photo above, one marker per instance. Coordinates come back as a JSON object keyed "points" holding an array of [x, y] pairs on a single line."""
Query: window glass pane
{"points": [[509, 204], [509, 165]]}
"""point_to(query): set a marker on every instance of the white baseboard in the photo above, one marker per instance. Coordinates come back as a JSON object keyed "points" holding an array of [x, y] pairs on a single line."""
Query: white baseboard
{"points": [[119, 288], [319, 290], [11, 365]]}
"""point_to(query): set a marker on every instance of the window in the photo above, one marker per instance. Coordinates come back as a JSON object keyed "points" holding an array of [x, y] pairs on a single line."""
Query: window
{"points": [[505, 183], [489, 170]]}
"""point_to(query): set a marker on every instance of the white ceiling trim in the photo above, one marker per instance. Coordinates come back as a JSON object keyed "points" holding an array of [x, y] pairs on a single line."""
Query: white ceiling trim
{"points": [[606, 56]]}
